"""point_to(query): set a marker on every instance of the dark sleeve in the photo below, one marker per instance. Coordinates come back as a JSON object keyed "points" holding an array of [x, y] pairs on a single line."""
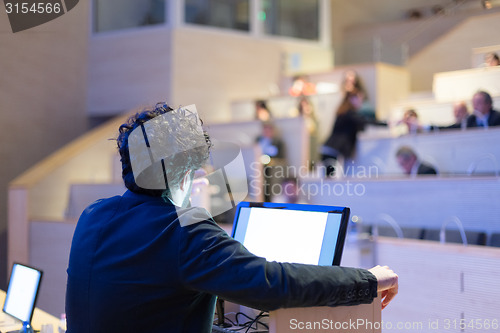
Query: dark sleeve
{"points": [[425, 169], [360, 122], [495, 118], [212, 262], [471, 121]]}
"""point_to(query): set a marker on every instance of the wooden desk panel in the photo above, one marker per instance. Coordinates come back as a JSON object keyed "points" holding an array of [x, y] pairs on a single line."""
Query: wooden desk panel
{"points": [[40, 318], [365, 318], [442, 284]]}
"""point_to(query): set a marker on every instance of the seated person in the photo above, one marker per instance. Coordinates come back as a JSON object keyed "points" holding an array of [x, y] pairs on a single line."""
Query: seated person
{"points": [[484, 115], [460, 112], [289, 191], [262, 112], [410, 119], [492, 59], [270, 143], [410, 163], [147, 262], [273, 157]]}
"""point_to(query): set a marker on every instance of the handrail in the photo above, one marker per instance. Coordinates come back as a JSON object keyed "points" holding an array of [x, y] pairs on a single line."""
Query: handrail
{"points": [[43, 168], [487, 157], [392, 222], [456, 220]]}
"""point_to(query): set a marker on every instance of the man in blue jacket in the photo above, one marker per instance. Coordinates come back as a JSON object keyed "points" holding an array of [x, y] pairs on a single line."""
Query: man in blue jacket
{"points": [[146, 262], [484, 115]]}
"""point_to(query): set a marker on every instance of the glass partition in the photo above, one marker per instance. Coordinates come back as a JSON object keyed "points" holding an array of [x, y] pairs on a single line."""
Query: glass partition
{"points": [[291, 18], [124, 14], [229, 14]]}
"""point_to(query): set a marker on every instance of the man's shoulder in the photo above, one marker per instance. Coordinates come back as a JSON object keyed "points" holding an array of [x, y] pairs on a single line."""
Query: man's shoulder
{"points": [[193, 215], [426, 169], [471, 120], [494, 118]]}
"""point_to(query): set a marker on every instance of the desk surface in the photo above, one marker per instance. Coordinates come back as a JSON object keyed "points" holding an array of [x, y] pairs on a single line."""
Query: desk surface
{"points": [[40, 317]]}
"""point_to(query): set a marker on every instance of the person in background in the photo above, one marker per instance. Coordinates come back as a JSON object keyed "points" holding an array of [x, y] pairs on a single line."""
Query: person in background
{"points": [[262, 112], [352, 82], [411, 165], [301, 86], [273, 157], [492, 59], [460, 112], [343, 138], [410, 120], [270, 142], [289, 191], [484, 115], [305, 109]]}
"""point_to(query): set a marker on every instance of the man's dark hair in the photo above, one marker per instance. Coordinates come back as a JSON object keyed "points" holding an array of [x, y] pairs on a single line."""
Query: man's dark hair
{"points": [[486, 96], [176, 165], [406, 152]]}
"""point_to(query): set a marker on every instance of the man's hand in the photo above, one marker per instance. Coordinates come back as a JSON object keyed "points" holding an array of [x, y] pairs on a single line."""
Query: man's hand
{"points": [[387, 283]]}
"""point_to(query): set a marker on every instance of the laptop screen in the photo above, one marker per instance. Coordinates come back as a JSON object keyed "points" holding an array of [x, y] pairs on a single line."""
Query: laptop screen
{"points": [[305, 234], [22, 292]]}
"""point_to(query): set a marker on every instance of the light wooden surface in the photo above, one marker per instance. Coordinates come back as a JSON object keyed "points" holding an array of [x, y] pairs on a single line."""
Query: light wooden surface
{"points": [[442, 284], [40, 318], [360, 319], [49, 250], [460, 85], [43, 190], [47, 166], [17, 233], [452, 51]]}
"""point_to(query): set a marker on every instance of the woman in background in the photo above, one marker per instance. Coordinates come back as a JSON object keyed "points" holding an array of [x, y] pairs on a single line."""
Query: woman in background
{"points": [[353, 83], [343, 138]]}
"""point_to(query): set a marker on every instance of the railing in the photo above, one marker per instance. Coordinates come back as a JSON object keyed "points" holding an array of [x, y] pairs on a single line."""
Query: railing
{"points": [[392, 222], [486, 157], [456, 220]]}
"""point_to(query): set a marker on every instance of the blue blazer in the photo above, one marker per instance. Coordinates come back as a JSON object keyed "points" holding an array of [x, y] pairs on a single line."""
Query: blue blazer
{"points": [[134, 268]]}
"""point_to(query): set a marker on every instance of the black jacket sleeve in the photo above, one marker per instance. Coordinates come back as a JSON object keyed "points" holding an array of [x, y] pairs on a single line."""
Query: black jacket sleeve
{"points": [[212, 262]]}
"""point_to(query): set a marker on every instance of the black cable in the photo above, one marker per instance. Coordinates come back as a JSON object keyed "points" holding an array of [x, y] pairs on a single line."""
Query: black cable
{"points": [[226, 319], [230, 321], [247, 325], [257, 322]]}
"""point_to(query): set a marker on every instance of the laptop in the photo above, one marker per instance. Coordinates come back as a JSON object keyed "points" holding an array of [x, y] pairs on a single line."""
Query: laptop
{"points": [[295, 233], [283, 232], [21, 295]]}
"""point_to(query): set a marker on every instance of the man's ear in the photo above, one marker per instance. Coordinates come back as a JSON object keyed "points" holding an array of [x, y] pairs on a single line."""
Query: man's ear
{"points": [[185, 180]]}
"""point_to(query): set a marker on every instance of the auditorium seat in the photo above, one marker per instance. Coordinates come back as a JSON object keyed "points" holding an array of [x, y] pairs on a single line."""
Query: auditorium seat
{"points": [[413, 233], [494, 240], [364, 228], [386, 231], [454, 236]]}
